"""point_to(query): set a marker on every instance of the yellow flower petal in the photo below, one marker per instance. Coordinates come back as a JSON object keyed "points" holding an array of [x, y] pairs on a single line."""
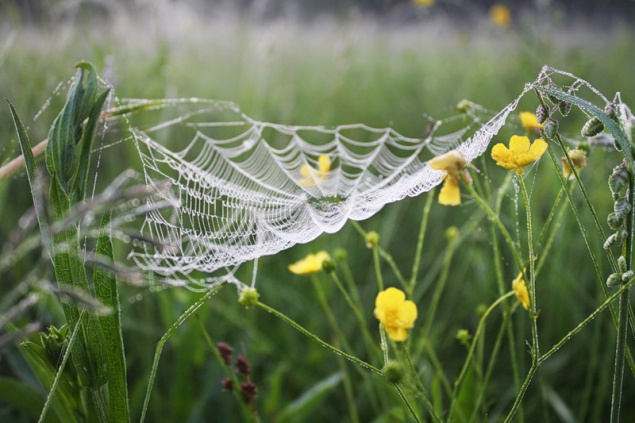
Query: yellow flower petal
{"points": [[578, 157], [538, 148], [450, 194], [520, 289], [529, 121], [395, 313], [500, 16], [502, 155], [518, 145], [310, 264], [452, 162], [324, 164], [397, 334]]}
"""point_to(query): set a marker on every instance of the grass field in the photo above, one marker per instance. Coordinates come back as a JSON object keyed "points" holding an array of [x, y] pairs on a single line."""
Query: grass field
{"points": [[330, 72]]}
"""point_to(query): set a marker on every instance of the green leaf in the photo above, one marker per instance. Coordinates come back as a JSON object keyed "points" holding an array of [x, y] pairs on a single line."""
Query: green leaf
{"points": [[66, 131], [609, 123], [86, 145], [66, 402], [106, 292], [302, 408], [31, 169], [23, 397]]}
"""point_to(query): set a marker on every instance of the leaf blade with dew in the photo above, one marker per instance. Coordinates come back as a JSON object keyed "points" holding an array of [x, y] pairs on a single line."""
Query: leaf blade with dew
{"points": [[609, 123], [106, 291], [85, 146]]}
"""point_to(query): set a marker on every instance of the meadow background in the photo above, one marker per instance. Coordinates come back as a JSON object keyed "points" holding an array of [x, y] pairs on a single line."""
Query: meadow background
{"points": [[327, 69]]}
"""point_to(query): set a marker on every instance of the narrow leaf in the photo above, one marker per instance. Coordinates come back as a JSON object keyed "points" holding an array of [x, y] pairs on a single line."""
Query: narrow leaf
{"points": [[302, 408], [106, 291], [86, 145]]}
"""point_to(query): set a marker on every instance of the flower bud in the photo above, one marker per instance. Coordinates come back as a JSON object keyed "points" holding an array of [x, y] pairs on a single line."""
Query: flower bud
{"points": [[464, 337], [621, 263], [328, 265], [225, 352], [613, 280], [249, 391], [541, 114], [551, 128], [592, 127], [340, 254], [622, 207], [627, 276], [610, 241], [451, 233], [249, 297], [564, 107], [611, 111], [464, 106], [227, 384], [372, 239], [618, 180], [614, 220], [242, 366], [393, 371]]}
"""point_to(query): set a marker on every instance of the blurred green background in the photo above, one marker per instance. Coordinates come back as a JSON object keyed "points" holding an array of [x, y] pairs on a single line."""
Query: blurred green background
{"points": [[327, 70]]}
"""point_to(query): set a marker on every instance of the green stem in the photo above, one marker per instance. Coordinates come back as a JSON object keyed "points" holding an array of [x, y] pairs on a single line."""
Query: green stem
{"points": [[329, 313], [443, 277], [231, 375], [422, 231], [370, 343], [418, 384], [622, 322], [535, 350], [491, 214], [316, 339], [163, 340], [406, 402], [380, 279], [470, 353]]}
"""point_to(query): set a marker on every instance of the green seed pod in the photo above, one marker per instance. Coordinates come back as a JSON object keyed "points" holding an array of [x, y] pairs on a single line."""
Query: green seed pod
{"points": [[464, 106], [627, 276], [564, 107], [464, 337], [618, 180], [614, 220], [622, 207], [393, 371], [541, 114], [372, 239], [621, 263], [551, 128], [610, 241], [328, 265], [592, 127], [249, 297], [340, 254], [611, 111], [613, 280]]}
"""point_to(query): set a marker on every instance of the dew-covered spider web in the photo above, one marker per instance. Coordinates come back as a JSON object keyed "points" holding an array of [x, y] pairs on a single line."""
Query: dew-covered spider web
{"points": [[230, 188]]}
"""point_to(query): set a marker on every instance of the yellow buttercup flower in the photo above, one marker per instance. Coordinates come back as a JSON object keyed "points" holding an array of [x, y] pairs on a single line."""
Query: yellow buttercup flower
{"points": [[324, 167], [500, 15], [519, 154], [578, 157], [395, 313], [310, 264], [453, 162], [424, 3], [520, 289], [529, 122]]}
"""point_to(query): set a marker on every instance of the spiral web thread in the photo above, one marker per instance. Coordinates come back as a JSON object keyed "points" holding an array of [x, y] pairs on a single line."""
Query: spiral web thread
{"points": [[243, 189]]}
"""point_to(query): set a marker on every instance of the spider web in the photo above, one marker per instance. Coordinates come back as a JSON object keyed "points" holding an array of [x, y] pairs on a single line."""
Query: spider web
{"points": [[242, 188]]}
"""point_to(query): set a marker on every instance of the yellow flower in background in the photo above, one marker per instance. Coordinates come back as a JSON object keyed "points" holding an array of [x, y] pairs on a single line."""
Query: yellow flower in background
{"points": [[310, 264], [520, 289], [578, 157], [306, 171], [519, 154], [424, 3], [500, 16], [453, 162], [395, 313], [529, 122]]}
